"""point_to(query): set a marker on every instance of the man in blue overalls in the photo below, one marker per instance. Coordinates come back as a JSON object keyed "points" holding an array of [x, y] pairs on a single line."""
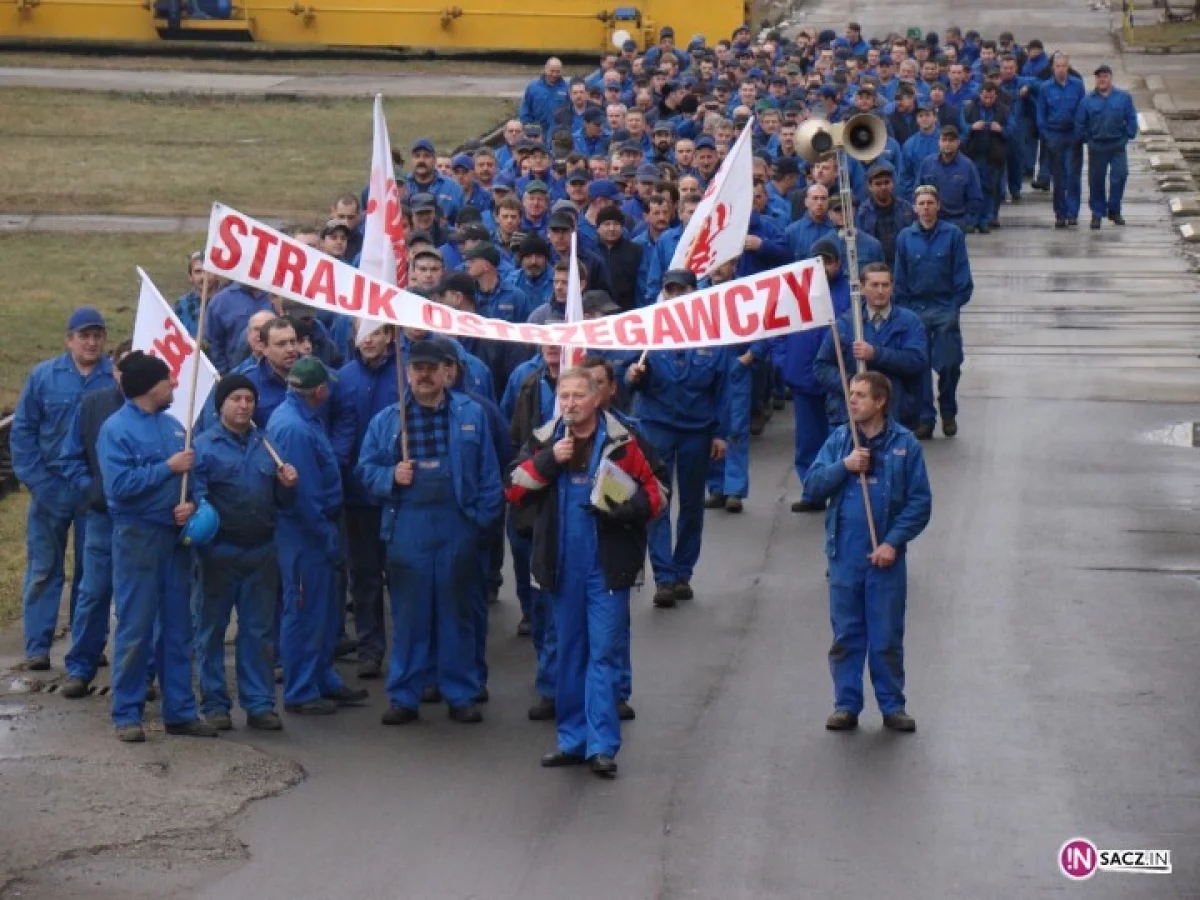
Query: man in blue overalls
{"points": [[680, 403], [310, 549], [867, 587], [142, 461], [439, 508], [43, 416], [240, 568], [586, 559]]}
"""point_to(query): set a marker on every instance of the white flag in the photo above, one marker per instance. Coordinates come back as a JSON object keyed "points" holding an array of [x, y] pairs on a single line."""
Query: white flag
{"points": [[573, 356], [717, 230], [385, 239], [158, 332]]}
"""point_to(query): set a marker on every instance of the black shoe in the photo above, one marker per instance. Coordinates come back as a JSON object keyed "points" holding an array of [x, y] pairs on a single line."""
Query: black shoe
{"points": [[1040, 185], [102, 661], [924, 431], [841, 720], [777, 403], [544, 710], [558, 759], [1071, 223], [982, 229], [807, 506], [348, 696], [714, 501], [75, 688], [664, 597], [483, 696], [1060, 223], [466, 715], [318, 707], [949, 426], [38, 663], [625, 712], [1117, 219], [683, 590], [370, 669], [524, 629], [130, 734], [603, 766], [221, 721], [899, 721], [265, 721], [1095, 223], [493, 596], [1014, 198], [758, 423], [431, 694], [733, 504], [345, 646], [194, 728], [151, 693], [399, 715]]}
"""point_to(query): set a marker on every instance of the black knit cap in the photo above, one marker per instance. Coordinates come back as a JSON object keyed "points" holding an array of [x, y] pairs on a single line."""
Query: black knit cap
{"points": [[140, 372], [233, 382]]}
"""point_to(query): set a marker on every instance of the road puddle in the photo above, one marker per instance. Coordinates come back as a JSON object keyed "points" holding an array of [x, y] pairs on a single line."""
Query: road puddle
{"points": [[1182, 434]]}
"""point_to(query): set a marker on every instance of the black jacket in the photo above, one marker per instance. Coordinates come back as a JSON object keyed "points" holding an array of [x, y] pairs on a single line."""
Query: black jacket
{"points": [[94, 410], [622, 262]]}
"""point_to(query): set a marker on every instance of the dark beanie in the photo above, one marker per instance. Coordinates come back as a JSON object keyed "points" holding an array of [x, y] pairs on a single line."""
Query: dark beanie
{"points": [[229, 384], [610, 214], [140, 372]]}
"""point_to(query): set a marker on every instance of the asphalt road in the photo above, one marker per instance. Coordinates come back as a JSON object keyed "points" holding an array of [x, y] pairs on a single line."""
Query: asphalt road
{"points": [[1052, 634]]}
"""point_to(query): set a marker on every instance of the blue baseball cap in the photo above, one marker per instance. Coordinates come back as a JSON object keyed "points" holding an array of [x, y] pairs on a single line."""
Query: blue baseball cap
{"points": [[828, 91], [577, 175], [462, 161], [602, 188], [593, 114], [505, 181], [648, 172], [86, 317], [755, 73], [629, 45], [706, 141], [423, 144]]}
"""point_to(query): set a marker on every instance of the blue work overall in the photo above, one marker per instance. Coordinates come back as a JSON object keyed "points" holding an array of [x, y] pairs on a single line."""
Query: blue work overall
{"points": [[730, 477], [312, 611], [89, 626]]}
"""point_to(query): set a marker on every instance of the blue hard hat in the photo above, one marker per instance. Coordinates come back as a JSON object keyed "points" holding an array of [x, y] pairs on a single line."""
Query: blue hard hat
{"points": [[201, 526]]}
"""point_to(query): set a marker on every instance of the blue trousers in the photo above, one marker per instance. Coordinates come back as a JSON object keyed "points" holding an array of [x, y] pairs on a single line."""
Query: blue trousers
{"points": [[312, 613], [545, 643], [1066, 173], [150, 582], [866, 610], [812, 428], [366, 562], [1014, 163], [89, 626], [731, 476], [1114, 164], [991, 180], [947, 394], [685, 455], [522, 547], [434, 577], [47, 528], [245, 579]]}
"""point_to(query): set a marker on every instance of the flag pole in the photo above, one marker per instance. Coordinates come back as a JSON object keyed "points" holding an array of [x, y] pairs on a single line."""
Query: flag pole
{"points": [[862, 477], [402, 389], [191, 416]]}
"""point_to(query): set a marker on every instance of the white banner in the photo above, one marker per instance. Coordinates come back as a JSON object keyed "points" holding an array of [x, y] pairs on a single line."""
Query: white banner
{"points": [[716, 233], [158, 332], [385, 239], [573, 356], [791, 298]]}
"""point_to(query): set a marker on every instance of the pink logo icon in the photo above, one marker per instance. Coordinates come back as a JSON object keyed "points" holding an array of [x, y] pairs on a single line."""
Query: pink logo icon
{"points": [[1078, 859]]}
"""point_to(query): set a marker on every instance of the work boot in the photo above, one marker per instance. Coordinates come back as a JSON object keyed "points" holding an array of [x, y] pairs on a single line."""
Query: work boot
{"points": [[664, 597], [1095, 223], [603, 766], [431, 694], [733, 504], [758, 423], [714, 501], [1060, 223], [899, 721], [466, 715], [807, 506], [841, 720], [544, 710], [1117, 219], [982, 229], [683, 590], [483, 696], [1015, 198], [399, 715], [265, 721], [38, 663], [102, 661], [777, 403], [348, 696], [345, 646], [369, 669], [1041, 185], [130, 734], [194, 728], [949, 426], [493, 596], [1071, 223], [558, 759], [524, 629], [151, 693], [317, 707], [221, 721], [924, 431], [75, 688], [625, 712]]}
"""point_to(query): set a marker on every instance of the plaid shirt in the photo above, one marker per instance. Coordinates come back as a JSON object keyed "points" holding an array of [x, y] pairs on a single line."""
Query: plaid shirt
{"points": [[428, 430], [187, 309]]}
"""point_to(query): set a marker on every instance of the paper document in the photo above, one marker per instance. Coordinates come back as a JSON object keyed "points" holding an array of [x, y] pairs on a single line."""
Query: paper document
{"points": [[612, 486]]}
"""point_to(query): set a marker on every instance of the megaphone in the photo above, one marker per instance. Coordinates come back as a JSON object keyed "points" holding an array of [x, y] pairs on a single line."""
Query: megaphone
{"points": [[619, 38], [863, 137]]}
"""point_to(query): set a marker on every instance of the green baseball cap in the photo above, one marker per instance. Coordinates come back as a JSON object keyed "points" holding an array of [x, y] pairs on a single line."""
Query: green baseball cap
{"points": [[308, 373]]}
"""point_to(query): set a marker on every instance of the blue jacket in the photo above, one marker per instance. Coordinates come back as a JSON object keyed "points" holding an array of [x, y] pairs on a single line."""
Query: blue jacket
{"points": [[794, 353], [1106, 123], [298, 436], [512, 390], [915, 151], [225, 323], [659, 263], [884, 225], [362, 393], [775, 250], [538, 290], [478, 377], [901, 353], [541, 102], [187, 310], [589, 147], [932, 268], [237, 476], [869, 249], [804, 232], [133, 449], [898, 460], [505, 302], [45, 410], [684, 389], [445, 191], [473, 464], [1057, 107], [958, 186]]}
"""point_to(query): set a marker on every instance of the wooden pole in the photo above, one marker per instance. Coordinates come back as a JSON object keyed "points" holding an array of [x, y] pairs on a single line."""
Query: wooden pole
{"points": [[862, 477], [191, 417], [279, 463], [402, 389]]}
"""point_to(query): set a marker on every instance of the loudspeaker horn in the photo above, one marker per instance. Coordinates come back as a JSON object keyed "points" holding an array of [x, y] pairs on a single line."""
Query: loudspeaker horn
{"points": [[863, 136]]}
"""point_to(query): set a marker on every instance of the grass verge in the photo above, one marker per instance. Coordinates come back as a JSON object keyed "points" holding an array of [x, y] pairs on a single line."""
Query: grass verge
{"points": [[78, 152], [12, 554], [1165, 34]]}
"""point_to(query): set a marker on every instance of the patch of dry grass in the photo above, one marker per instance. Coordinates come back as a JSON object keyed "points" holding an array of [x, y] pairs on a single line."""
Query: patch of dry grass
{"points": [[1165, 34], [12, 554]]}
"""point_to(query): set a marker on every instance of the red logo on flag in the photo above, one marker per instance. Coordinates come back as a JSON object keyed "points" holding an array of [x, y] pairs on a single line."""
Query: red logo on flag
{"points": [[702, 255], [173, 349], [393, 227]]}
